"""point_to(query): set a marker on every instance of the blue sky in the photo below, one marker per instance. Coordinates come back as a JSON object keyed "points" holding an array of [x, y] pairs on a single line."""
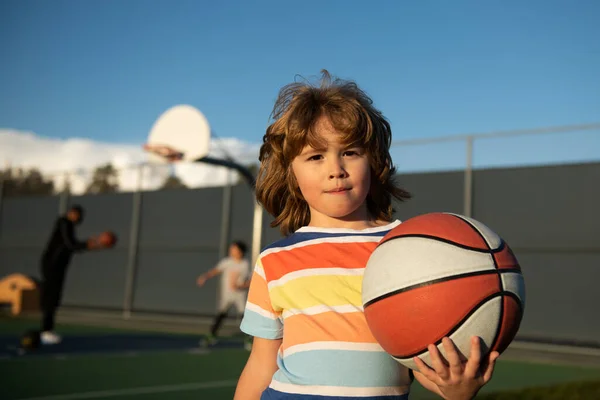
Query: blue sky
{"points": [[105, 70]]}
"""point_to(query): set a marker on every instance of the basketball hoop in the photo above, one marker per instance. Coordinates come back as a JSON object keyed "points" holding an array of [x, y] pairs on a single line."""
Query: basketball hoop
{"points": [[182, 134], [168, 153]]}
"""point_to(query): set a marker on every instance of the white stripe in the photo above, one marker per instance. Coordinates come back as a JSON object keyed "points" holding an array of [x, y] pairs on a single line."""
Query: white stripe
{"points": [[134, 391], [345, 309], [260, 271], [335, 239], [350, 346], [339, 390], [315, 271], [375, 229], [253, 307]]}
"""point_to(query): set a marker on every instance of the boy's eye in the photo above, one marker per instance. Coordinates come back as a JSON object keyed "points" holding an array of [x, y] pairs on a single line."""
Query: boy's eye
{"points": [[351, 153], [314, 157]]}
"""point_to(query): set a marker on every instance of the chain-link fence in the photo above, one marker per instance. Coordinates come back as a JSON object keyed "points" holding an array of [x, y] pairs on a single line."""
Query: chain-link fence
{"points": [[542, 146], [548, 214]]}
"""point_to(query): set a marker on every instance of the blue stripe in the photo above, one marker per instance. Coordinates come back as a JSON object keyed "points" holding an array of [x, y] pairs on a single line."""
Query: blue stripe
{"points": [[300, 237], [346, 368], [271, 394], [255, 324]]}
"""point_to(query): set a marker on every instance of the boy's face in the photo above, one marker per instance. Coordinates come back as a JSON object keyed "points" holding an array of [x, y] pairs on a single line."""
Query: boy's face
{"points": [[334, 181], [75, 216], [235, 252]]}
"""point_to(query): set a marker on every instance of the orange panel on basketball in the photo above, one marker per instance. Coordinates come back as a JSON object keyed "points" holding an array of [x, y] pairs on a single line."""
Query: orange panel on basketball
{"points": [[405, 323], [511, 319], [505, 259], [443, 226]]}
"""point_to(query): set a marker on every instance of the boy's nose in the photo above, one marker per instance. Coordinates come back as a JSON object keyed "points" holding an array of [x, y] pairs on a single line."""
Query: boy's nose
{"points": [[337, 170]]}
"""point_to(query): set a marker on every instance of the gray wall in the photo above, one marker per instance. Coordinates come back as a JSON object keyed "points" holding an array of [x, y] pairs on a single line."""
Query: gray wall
{"points": [[25, 224], [548, 215]]}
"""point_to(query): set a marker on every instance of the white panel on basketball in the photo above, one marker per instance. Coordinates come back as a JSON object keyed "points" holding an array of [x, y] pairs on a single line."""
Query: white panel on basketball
{"points": [[492, 239], [514, 282], [408, 261], [484, 320]]}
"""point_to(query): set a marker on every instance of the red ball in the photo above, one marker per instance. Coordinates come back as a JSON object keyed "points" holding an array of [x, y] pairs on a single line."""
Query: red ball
{"points": [[438, 275], [107, 239]]}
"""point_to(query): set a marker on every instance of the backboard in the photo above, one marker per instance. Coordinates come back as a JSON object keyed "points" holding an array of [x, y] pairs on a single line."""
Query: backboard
{"points": [[181, 133]]}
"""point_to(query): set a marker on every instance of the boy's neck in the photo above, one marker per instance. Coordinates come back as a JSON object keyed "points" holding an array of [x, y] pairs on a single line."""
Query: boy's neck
{"points": [[341, 224], [360, 219]]}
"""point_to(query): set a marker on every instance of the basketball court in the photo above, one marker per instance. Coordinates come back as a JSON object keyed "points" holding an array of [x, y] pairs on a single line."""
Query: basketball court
{"points": [[128, 363], [135, 362]]}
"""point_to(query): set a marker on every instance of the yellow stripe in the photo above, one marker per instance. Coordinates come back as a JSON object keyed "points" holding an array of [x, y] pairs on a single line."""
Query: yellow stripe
{"points": [[310, 291]]}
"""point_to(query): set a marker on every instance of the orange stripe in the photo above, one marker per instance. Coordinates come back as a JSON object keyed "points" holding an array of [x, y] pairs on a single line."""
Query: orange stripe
{"points": [[258, 293], [322, 255], [329, 326]]}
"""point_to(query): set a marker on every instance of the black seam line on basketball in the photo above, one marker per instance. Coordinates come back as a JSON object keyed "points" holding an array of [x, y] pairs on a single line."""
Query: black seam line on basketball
{"points": [[459, 324], [434, 281], [488, 246], [520, 305], [499, 294], [439, 239], [499, 272], [500, 318], [475, 229]]}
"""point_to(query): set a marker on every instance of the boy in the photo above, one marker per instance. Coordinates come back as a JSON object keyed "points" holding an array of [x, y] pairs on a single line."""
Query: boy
{"points": [[326, 175], [234, 270]]}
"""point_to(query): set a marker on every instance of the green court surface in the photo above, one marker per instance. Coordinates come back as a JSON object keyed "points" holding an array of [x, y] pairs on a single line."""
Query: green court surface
{"points": [[121, 364]]}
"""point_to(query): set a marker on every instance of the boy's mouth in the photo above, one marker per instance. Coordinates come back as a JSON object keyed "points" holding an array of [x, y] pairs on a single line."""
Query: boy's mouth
{"points": [[338, 190]]}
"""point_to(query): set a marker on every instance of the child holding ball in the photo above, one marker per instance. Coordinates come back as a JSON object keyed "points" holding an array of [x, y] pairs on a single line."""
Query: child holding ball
{"points": [[326, 177]]}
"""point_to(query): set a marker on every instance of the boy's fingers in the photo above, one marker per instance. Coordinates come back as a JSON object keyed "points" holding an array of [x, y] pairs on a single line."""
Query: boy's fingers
{"points": [[472, 368], [452, 356], [425, 370], [438, 362], [489, 371]]}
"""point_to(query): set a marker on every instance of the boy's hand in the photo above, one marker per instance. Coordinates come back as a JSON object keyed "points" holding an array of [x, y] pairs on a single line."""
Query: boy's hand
{"points": [[456, 378], [201, 280], [93, 243]]}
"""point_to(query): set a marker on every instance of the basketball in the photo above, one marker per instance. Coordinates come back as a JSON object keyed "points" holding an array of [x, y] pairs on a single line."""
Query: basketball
{"points": [[107, 239], [437, 275]]}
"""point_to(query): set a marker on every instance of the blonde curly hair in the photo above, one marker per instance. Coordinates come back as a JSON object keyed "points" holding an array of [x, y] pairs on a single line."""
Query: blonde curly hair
{"points": [[297, 110]]}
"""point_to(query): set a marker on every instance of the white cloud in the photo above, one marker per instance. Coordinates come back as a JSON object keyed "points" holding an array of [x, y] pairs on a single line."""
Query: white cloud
{"points": [[78, 157]]}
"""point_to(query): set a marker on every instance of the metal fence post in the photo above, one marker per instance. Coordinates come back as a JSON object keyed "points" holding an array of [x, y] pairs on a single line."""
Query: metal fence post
{"points": [[1, 198], [133, 246], [226, 217], [63, 201], [468, 186], [256, 231]]}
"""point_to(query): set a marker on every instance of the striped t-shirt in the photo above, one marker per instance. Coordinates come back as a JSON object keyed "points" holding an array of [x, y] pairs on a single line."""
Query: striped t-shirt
{"points": [[306, 290]]}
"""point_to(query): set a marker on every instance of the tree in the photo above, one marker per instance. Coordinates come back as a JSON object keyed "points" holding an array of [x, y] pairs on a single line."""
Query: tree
{"points": [[18, 182], [173, 182], [104, 180]]}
